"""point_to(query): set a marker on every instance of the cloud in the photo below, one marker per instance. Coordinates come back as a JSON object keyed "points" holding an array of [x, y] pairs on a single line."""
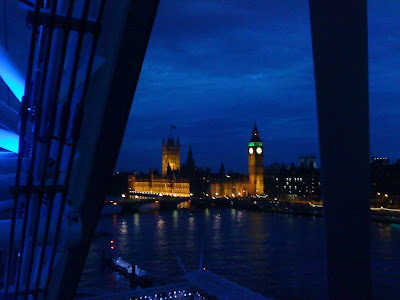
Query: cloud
{"points": [[213, 68]]}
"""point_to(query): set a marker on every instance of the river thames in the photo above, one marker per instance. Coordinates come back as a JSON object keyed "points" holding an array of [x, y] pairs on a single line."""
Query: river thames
{"points": [[277, 255]]}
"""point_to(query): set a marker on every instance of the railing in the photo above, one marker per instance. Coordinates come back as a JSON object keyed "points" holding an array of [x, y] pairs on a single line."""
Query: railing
{"points": [[50, 123]]}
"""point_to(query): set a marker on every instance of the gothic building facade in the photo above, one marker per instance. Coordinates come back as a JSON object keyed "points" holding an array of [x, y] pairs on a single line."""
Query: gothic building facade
{"points": [[292, 182], [167, 183], [235, 185], [256, 163], [170, 155], [160, 185], [189, 180]]}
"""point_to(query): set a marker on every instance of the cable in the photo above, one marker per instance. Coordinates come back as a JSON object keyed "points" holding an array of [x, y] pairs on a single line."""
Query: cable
{"points": [[52, 121], [38, 122], [6, 44], [23, 117], [69, 101]]}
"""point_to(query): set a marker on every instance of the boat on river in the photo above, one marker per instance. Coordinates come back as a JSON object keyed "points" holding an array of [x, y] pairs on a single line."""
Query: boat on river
{"points": [[135, 274]]}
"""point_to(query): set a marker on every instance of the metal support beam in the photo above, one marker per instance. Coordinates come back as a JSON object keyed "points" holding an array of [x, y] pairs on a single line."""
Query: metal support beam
{"points": [[123, 42], [46, 19], [340, 48]]}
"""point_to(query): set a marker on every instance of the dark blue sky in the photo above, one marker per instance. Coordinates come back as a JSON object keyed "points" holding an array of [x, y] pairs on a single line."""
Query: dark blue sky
{"points": [[213, 67]]}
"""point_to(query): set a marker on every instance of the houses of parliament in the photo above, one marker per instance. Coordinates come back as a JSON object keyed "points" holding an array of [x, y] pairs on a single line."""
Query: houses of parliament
{"points": [[186, 179]]}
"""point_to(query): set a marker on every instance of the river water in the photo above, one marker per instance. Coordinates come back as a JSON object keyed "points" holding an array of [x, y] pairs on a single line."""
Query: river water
{"points": [[280, 256]]}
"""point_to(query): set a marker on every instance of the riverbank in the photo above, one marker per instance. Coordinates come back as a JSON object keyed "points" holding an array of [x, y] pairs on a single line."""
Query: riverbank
{"points": [[314, 209]]}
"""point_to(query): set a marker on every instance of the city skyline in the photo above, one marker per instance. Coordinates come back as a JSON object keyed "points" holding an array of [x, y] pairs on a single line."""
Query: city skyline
{"points": [[214, 67], [161, 166], [229, 87]]}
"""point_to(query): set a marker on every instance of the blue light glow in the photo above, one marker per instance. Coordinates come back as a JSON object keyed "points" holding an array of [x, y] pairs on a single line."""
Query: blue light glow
{"points": [[9, 140], [11, 75]]}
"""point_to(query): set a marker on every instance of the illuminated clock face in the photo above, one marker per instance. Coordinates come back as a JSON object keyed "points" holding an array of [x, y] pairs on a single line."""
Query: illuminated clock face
{"points": [[259, 150], [251, 151]]}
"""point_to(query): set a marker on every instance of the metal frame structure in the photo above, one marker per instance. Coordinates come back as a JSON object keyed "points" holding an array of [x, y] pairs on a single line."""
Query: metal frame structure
{"points": [[340, 48], [54, 214], [73, 116]]}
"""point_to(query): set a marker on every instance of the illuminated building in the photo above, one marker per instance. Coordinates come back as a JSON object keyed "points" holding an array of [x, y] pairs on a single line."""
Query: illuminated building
{"points": [[256, 165], [293, 182], [239, 185], [229, 186], [160, 184], [175, 181], [385, 176], [170, 155], [167, 183]]}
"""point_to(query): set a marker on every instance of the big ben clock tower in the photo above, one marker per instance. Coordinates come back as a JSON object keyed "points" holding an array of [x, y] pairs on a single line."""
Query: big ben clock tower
{"points": [[256, 165]]}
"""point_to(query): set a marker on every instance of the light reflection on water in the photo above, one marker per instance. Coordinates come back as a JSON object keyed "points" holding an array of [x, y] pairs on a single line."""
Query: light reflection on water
{"points": [[175, 216], [207, 213], [278, 255], [191, 235], [123, 227], [217, 242], [136, 222]]}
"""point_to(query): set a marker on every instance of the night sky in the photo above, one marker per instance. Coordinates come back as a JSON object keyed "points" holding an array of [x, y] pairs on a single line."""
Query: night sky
{"points": [[213, 67]]}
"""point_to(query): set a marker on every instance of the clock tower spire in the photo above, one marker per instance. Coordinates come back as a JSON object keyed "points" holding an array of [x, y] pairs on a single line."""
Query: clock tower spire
{"points": [[256, 164]]}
